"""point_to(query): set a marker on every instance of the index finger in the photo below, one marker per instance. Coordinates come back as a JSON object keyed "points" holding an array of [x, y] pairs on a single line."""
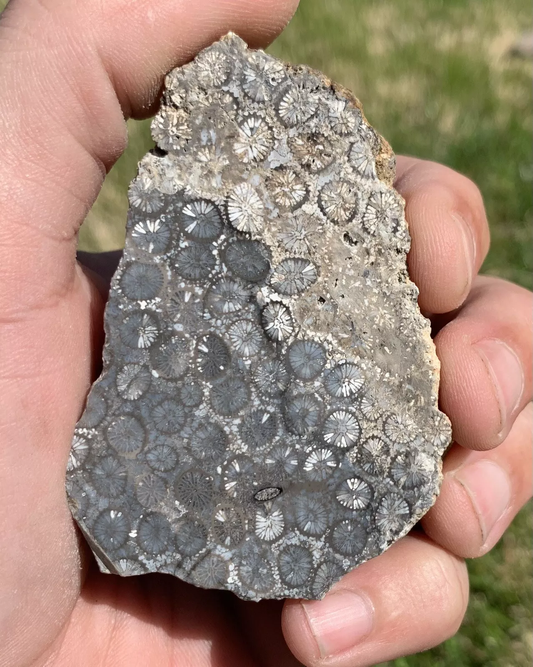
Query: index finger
{"points": [[449, 231]]}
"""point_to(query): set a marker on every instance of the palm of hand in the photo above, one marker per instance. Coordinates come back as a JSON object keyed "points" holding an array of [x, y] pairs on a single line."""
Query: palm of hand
{"points": [[54, 608], [158, 620]]}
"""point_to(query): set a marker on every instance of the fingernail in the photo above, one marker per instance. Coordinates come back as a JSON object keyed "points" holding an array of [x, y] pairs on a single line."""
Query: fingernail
{"points": [[489, 489], [339, 621], [506, 374], [469, 248]]}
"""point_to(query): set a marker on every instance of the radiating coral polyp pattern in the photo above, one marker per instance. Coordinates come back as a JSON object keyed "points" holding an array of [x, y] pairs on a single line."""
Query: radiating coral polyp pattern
{"points": [[267, 415]]}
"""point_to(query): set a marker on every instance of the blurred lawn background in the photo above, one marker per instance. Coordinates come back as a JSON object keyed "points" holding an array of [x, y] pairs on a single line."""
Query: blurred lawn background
{"points": [[436, 79]]}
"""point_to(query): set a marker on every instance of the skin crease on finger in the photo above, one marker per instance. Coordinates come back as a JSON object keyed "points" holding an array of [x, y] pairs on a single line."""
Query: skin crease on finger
{"points": [[61, 127]]}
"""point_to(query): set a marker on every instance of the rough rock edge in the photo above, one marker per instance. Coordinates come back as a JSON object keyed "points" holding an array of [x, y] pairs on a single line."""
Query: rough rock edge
{"points": [[385, 170]]}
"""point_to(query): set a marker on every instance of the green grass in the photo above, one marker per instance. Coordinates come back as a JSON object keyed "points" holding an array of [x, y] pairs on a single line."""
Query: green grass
{"points": [[435, 80]]}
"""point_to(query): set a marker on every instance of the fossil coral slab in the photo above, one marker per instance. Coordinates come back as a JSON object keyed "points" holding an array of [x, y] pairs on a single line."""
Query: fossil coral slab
{"points": [[267, 415]]}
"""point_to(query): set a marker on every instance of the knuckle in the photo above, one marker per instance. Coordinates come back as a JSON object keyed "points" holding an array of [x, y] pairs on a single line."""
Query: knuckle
{"points": [[459, 193], [470, 191], [463, 195], [471, 204]]}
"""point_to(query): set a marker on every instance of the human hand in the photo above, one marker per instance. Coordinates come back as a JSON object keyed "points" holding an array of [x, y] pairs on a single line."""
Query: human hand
{"points": [[418, 589], [66, 69]]}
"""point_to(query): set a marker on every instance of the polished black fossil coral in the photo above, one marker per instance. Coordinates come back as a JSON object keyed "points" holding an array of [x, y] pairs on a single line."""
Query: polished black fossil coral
{"points": [[267, 414]]}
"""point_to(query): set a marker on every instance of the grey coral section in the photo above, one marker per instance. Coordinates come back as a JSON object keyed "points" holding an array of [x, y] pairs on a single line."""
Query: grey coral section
{"points": [[267, 417]]}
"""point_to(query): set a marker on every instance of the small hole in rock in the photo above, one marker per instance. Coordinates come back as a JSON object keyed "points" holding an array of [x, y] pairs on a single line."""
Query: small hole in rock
{"points": [[349, 239]]}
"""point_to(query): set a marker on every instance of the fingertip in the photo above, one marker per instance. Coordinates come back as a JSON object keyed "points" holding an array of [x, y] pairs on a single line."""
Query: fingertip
{"points": [[485, 355], [383, 609], [452, 522], [506, 375]]}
